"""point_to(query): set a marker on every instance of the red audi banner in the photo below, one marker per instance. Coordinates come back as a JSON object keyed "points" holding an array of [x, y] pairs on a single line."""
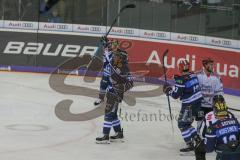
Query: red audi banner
{"points": [[227, 63]]}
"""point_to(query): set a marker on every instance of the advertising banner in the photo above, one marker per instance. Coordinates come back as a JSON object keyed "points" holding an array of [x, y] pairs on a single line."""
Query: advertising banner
{"points": [[155, 34], [1, 23], [89, 29], [56, 27], [21, 25], [188, 38], [222, 42], [51, 50], [45, 50], [227, 63], [131, 32]]}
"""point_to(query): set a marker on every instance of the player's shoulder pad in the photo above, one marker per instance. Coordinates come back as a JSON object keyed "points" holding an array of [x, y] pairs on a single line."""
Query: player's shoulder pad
{"points": [[192, 75], [124, 56], [122, 52], [199, 72]]}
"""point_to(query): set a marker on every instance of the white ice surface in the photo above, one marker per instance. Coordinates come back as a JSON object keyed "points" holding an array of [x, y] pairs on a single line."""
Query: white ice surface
{"points": [[30, 130]]}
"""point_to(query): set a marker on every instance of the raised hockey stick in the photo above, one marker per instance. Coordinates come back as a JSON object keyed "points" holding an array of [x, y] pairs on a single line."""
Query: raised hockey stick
{"points": [[115, 19], [165, 79], [95, 64]]}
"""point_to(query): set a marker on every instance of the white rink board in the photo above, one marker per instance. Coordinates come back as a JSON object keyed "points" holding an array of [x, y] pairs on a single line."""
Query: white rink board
{"points": [[30, 130]]}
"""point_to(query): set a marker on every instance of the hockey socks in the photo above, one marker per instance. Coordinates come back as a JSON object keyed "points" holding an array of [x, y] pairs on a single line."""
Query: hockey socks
{"points": [[116, 125], [189, 134]]}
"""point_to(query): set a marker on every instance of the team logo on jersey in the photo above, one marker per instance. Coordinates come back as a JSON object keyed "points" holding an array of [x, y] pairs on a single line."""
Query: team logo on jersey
{"points": [[209, 130]]}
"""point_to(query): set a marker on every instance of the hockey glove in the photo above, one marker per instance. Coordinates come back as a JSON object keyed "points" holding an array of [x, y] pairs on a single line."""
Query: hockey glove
{"points": [[167, 88]]}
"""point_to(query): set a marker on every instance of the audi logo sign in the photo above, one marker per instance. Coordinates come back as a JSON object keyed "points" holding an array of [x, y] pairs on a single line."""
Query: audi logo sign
{"points": [[193, 38], [62, 27], [95, 29], [226, 43], [128, 31], [163, 35], [27, 25]]}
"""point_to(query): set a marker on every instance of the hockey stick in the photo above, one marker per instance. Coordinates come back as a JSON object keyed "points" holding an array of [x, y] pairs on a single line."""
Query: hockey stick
{"points": [[96, 61], [165, 79], [233, 109], [230, 108], [115, 19]]}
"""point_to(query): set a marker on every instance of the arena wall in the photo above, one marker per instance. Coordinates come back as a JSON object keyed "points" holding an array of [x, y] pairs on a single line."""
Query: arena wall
{"points": [[42, 47]]}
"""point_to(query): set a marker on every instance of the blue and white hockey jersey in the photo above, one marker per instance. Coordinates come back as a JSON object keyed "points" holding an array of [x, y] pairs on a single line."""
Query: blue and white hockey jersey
{"points": [[221, 132], [108, 69], [116, 79], [186, 88]]}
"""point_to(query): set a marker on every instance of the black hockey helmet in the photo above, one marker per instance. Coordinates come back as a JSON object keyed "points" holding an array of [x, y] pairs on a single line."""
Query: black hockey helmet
{"points": [[117, 58], [219, 106]]}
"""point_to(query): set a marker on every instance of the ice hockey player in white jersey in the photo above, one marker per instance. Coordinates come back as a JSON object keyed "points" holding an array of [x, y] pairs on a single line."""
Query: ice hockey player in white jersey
{"points": [[210, 84]]}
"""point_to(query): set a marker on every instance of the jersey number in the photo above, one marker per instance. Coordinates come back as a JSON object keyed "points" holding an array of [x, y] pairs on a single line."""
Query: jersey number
{"points": [[196, 88], [229, 139]]}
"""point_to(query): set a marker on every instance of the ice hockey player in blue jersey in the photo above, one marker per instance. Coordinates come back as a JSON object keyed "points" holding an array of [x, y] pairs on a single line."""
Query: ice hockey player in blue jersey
{"points": [[118, 80], [109, 47], [221, 133], [188, 90]]}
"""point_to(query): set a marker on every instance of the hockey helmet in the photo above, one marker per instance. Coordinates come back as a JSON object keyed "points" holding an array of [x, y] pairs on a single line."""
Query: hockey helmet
{"points": [[184, 66], [117, 58], [219, 106], [206, 61]]}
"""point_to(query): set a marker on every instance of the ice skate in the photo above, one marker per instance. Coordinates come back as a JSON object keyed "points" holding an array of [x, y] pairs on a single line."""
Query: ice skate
{"points": [[118, 137], [103, 140], [98, 101], [188, 150]]}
